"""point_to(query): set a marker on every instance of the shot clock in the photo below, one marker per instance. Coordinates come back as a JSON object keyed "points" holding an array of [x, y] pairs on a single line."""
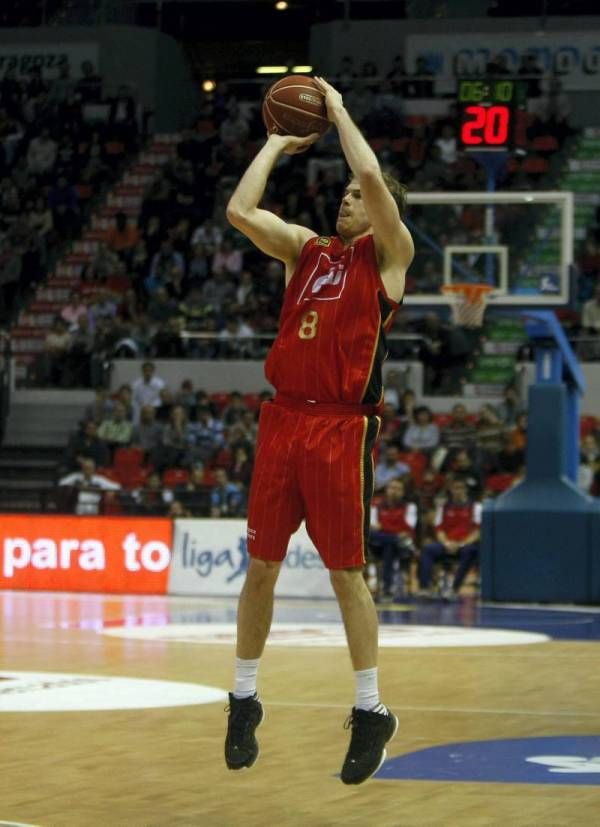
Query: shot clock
{"points": [[488, 109]]}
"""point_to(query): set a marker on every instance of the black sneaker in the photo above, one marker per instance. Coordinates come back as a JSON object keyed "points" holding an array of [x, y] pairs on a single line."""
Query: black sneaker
{"points": [[370, 733], [241, 746]]}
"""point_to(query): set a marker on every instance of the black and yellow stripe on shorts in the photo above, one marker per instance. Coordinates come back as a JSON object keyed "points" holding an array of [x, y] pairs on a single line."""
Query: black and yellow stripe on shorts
{"points": [[367, 473]]}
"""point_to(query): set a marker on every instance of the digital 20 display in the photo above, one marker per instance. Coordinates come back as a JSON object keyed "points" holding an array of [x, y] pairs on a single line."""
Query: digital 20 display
{"points": [[487, 112]]}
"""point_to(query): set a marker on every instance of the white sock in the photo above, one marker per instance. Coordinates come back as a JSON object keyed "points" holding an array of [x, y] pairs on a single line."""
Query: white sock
{"points": [[245, 678], [367, 693]]}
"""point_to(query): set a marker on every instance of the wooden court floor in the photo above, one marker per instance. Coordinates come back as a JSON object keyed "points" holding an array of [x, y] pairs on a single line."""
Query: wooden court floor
{"points": [[164, 766]]}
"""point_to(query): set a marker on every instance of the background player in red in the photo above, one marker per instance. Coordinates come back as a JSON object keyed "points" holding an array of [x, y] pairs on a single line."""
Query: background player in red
{"points": [[457, 530], [392, 536], [313, 459]]}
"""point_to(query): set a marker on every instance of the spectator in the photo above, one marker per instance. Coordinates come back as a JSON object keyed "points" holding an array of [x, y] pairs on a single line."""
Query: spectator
{"points": [[175, 441], [590, 315], [162, 264], [86, 445], [77, 364], [41, 154], [489, 436], [56, 346], [531, 71], [73, 310], [123, 237], [423, 434], [511, 458], [241, 468], [392, 535], [161, 308], [116, 431], [151, 498], [64, 203], [234, 129], [456, 538], [245, 289], [207, 435], [234, 409], [89, 86], [209, 235], [459, 432], [462, 467], [447, 146], [195, 493], [146, 390], [122, 121], [177, 510], [148, 432], [389, 467], [420, 83], [518, 434], [228, 259], [89, 486], [217, 291], [552, 111], [237, 339], [226, 499], [100, 408], [510, 407]]}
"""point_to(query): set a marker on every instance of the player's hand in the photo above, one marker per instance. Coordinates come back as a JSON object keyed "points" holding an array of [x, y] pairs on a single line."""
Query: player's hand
{"points": [[291, 144], [333, 99]]}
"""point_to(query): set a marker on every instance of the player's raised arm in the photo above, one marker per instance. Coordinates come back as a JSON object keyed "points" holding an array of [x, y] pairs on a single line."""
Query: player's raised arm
{"points": [[393, 241], [270, 233]]}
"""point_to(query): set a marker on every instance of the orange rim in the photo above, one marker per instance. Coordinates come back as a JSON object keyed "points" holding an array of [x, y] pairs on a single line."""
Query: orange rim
{"points": [[473, 293]]}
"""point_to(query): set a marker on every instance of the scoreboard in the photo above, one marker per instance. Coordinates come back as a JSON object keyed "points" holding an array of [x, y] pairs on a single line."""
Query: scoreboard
{"points": [[487, 111]]}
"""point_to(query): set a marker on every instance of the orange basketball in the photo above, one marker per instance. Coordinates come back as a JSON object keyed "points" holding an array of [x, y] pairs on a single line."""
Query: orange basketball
{"points": [[294, 106]]}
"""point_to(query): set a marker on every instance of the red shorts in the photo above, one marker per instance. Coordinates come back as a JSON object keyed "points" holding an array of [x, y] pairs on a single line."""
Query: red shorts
{"points": [[314, 467]]}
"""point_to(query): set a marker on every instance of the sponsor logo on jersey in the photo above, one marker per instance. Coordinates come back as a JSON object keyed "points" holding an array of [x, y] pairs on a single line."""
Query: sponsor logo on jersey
{"points": [[324, 241]]}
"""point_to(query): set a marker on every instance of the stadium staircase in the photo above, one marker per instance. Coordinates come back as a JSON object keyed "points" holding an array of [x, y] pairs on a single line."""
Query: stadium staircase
{"points": [[126, 195], [40, 421]]}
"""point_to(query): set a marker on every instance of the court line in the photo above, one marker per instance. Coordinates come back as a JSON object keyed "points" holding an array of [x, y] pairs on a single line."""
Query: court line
{"points": [[453, 709]]}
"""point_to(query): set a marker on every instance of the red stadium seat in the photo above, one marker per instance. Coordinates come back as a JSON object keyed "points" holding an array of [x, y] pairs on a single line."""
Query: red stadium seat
{"points": [[545, 143], [220, 399], [442, 419], [252, 401], [587, 425], [416, 461], [175, 476], [497, 483], [128, 458]]}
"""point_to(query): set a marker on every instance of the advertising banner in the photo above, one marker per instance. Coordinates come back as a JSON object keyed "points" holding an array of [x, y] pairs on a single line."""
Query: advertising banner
{"points": [[48, 56], [574, 57], [210, 557], [85, 554]]}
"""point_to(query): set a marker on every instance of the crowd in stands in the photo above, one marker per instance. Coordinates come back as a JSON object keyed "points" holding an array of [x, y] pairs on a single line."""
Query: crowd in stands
{"points": [[150, 450], [54, 160], [179, 268]]}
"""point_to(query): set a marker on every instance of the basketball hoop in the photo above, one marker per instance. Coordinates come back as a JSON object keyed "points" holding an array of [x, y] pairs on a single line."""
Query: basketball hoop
{"points": [[467, 302]]}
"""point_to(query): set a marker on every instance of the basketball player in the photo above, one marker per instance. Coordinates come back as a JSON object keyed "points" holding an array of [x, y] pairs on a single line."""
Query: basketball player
{"points": [[313, 458]]}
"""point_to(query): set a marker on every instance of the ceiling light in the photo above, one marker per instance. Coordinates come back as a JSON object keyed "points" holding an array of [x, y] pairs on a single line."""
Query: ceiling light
{"points": [[271, 70], [208, 85], [281, 5]]}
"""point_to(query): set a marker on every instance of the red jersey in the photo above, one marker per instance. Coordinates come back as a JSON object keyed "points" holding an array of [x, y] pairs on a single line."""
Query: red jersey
{"points": [[395, 519], [458, 521], [331, 342]]}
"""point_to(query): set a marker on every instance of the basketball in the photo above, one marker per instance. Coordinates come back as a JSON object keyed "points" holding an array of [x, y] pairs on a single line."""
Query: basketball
{"points": [[295, 106]]}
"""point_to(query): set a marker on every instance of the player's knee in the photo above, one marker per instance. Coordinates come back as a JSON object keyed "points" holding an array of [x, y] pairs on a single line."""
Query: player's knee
{"points": [[347, 582], [262, 572]]}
